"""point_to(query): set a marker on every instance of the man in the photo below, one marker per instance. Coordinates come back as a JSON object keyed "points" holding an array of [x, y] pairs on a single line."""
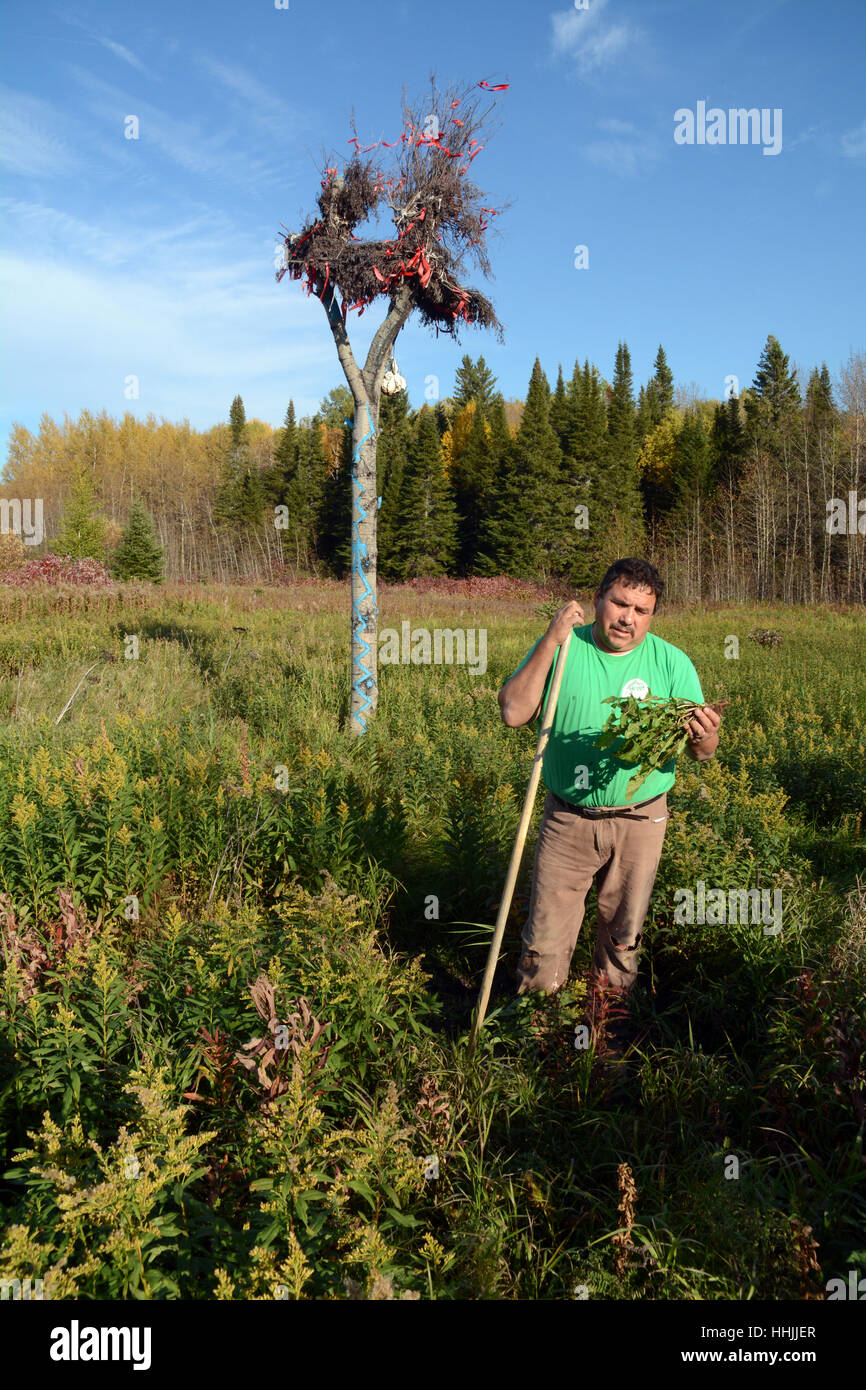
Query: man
{"points": [[589, 828]]}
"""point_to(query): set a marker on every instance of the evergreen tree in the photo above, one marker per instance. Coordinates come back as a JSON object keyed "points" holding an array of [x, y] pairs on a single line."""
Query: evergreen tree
{"points": [[335, 540], [774, 383], [521, 534], [601, 470], [663, 385], [727, 443], [252, 498], [692, 460], [622, 447], [314, 471], [82, 533], [646, 415], [822, 472], [773, 403], [586, 441], [395, 435], [139, 554], [472, 478], [687, 523], [286, 486], [655, 399], [479, 438], [586, 464], [572, 398], [285, 458], [474, 382], [427, 538], [443, 422], [240, 500], [238, 425], [822, 417], [301, 495], [500, 434], [618, 487], [560, 413]]}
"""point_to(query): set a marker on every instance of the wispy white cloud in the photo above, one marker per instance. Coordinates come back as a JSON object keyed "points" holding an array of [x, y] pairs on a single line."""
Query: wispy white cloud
{"points": [[31, 148], [594, 41], [758, 14], [258, 102], [190, 144], [26, 222], [804, 136], [854, 141], [29, 140], [194, 333], [625, 149], [616, 127], [118, 49], [124, 54]]}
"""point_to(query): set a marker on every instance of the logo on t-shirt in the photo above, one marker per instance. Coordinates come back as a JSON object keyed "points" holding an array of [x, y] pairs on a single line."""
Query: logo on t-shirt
{"points": [[635, 687]]}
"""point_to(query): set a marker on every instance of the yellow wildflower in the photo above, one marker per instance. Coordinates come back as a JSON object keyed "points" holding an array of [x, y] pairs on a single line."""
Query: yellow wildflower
{"points": [[23, 811]]}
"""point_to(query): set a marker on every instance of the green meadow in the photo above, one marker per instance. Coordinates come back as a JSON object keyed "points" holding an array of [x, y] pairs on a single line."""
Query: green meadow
{"points": [[241, 950]]}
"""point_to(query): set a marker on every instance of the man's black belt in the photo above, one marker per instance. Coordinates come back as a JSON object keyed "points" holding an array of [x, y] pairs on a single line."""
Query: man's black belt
{"points": [[601, 812]]}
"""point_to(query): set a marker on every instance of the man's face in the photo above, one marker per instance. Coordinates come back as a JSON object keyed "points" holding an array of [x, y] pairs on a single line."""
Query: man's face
{"points": [[623, 615]]}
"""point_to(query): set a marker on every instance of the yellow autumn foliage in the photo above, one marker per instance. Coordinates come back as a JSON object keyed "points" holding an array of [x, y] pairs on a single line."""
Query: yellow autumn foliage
{"points": [[656, 458]]}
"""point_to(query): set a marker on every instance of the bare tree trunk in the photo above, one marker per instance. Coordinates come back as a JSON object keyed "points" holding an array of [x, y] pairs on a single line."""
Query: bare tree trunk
{"points": [[854, 399], [365, 611], [365, 387], [810, 520]]}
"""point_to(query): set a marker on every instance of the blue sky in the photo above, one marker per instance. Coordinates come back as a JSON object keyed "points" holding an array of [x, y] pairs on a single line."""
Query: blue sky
{"points": [[155, 257]]}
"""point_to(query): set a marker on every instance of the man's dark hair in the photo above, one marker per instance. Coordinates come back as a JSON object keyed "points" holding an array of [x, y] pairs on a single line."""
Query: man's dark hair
{"points": [[634, 571]]}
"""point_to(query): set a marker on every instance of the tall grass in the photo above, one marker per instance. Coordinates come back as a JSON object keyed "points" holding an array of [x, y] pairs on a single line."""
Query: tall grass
{"points": [[238, 979]]}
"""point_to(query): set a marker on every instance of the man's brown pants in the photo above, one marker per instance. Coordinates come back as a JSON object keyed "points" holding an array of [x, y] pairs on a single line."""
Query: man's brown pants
{"points": [[622, 853]]}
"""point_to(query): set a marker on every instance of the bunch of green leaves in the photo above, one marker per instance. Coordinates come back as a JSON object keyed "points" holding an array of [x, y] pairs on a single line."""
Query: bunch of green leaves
{"points": [[652, 730]]}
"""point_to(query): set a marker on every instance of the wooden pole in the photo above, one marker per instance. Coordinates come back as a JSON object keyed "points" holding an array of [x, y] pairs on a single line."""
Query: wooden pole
{"points": [[517, 852]]}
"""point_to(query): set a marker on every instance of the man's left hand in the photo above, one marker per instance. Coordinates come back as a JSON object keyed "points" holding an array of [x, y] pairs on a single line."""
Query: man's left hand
{"points": [[703, 730]]}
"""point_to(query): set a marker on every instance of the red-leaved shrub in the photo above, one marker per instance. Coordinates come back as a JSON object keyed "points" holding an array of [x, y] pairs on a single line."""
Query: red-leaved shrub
{"points": [[54, 569]]}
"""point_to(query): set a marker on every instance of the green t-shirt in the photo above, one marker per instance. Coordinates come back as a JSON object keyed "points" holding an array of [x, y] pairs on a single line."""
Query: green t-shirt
{"points": [[573, 768]]}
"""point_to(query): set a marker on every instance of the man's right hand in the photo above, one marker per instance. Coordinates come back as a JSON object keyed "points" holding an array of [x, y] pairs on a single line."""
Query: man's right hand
{"points": [[561, 624], [524, 692]]}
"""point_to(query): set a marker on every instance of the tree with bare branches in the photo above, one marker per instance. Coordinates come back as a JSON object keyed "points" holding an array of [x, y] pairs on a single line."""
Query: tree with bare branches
{"points": [[439, 219]]}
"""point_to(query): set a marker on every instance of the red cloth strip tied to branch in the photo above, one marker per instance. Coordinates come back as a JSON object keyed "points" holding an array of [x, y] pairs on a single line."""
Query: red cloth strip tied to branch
{"points": [[360, 277]]}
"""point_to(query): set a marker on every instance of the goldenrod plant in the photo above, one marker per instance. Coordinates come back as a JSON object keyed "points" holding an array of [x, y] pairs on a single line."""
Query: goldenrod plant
{"points": [[201, 869]]}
